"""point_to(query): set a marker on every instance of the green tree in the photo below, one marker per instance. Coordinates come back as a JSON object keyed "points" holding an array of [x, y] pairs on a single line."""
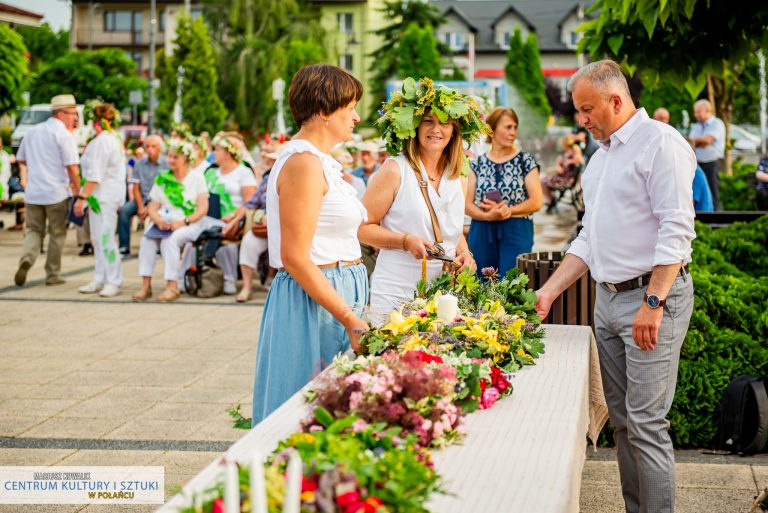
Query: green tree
{"points": [[300, 53], [528, 92], [253, 38], [14, 71], [534, 85], [671, 98], [692, 44], [107, 74], [44, 45], [386, 58], [514, 68], [201, 106], [418, 53]]}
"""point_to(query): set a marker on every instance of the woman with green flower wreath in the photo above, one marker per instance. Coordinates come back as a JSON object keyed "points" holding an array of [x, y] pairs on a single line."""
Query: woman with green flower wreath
{"points": [[425, 127], [178, 201], [103, 166], [234, 183]]}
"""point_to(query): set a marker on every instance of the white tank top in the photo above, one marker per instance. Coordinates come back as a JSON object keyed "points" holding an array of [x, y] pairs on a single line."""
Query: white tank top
{"points": [[341, 213], [394, 280]]}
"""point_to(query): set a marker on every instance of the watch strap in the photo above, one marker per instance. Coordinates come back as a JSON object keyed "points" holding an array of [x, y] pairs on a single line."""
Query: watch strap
{"points": [[662, 302]]}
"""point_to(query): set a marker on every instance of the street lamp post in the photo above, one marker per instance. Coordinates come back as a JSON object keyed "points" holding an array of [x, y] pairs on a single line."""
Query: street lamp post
{"points": [[152, 49]]}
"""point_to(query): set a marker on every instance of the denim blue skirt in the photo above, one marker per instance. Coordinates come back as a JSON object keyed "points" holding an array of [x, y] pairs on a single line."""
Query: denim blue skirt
{"points": [[299, 338]]}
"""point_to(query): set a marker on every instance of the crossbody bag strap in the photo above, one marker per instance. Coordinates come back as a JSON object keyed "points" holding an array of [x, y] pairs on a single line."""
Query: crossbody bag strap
{"points": [[423, 185]]}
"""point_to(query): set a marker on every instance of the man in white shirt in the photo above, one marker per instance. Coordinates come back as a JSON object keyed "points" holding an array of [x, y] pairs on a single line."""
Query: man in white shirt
{"points": [[636, 242], [48, 158], [708, 140]]}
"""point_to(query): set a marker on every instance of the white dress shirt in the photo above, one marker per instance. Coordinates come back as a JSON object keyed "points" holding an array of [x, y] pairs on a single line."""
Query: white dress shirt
{"points": [[638, 202], [103, 161], [48, 148]]}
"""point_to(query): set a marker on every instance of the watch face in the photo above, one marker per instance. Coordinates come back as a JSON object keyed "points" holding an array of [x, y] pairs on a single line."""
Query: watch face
{"points": [[653, 301]]}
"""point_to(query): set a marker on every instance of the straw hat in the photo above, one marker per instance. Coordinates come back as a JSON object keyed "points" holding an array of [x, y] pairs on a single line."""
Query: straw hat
{"points": [[62, 101], [369, 146]]}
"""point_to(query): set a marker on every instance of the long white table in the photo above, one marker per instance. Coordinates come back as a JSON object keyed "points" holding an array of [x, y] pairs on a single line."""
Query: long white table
{"points": [[523, 455]]}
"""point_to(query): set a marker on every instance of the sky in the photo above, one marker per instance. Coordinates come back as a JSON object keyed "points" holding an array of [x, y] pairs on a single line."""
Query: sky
{"points": [[57, 12]]}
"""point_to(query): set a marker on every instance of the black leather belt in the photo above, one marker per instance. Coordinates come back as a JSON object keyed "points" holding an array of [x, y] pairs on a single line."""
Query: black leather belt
{"points": [[640, 281]]}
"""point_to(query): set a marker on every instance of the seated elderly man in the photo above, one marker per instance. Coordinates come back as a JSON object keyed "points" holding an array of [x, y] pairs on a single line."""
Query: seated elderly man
{"points": [[369, 155], [145, 170]]}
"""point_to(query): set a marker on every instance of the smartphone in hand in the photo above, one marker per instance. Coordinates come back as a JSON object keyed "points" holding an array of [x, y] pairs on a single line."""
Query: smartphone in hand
{"points": [[493, 195]]}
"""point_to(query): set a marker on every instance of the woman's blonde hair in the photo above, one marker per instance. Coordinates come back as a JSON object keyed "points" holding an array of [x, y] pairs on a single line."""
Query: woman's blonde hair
{"points": [[452, 157]]}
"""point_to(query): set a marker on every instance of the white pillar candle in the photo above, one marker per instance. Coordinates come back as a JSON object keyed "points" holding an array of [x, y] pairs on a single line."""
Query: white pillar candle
{"points": [[258, 486], [447, 307], [292, 502], [232, 489]]}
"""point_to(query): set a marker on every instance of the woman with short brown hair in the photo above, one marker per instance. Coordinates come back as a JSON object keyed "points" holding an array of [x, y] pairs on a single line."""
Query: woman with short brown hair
{"points": [[311, 312]]}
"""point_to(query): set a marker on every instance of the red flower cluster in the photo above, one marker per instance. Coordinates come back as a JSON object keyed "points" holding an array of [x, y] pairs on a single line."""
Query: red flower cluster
{"points": [[416, 359], [350, 503]]}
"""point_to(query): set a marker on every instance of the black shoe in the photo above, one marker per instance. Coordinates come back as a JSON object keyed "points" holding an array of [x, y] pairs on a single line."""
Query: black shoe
{"points": [[125, 251], [21, 275], [87, 249]]}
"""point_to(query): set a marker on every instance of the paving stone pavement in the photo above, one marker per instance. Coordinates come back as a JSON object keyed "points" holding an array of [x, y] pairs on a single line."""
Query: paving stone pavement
{"points": [[92, 381]]}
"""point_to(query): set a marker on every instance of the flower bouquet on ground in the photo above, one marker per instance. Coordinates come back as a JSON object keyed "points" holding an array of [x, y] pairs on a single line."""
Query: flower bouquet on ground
{"points": [[412, 390], [349, 467]]}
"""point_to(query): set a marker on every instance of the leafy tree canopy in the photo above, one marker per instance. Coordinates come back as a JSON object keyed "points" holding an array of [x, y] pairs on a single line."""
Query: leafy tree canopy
{"points": [[14, 70], [202, 109], [678, 41], [387, 57], [44, 45], [107, 74], [418, 53]]}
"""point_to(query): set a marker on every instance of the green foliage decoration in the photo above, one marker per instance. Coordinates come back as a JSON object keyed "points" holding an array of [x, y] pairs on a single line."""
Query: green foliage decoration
{"points": [[405, 110], [386, 58], [44, 45], [14, 71]]}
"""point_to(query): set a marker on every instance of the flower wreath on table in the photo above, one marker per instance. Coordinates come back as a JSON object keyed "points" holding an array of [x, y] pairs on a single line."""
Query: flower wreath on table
{"points": [[403, 112]]}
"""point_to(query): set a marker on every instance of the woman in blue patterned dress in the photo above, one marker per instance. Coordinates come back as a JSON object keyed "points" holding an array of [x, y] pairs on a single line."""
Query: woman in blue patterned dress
{"points": [[504, 191]]}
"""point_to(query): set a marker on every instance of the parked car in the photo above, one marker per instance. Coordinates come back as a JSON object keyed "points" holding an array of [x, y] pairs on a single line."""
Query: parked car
{"points": [[744, 141], [34, 114]]}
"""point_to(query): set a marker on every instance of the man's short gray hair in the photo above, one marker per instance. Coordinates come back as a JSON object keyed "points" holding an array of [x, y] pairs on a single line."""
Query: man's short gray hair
{"points": [[703, 103], [605, 76], [158, 139]]}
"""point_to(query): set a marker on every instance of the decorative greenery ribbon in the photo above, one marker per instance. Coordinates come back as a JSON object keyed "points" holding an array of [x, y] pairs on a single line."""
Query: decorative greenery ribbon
{"points": [[92, 200], [174, 191], [216, 187]]}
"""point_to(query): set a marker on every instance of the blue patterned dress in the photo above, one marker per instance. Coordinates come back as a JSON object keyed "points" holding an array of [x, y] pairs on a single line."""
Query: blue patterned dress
{"points": [[498, 243]]}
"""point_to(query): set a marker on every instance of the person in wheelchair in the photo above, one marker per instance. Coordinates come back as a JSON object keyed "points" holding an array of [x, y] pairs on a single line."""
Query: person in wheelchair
{"points": [[178, 201], [569, 165], [233, 182]]}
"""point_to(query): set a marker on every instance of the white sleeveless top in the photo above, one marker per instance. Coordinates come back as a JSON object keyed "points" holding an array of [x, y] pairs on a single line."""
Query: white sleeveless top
{"points": [[341, 213], [394, 280]]}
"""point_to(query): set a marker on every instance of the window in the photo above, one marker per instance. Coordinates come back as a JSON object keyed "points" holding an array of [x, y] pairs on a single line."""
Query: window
{"points": [[574, 39], [125, 21], [345, 61], [161, 21], [505, 40], [118, 21], [345, 21], [196, 13], [455, 40]]}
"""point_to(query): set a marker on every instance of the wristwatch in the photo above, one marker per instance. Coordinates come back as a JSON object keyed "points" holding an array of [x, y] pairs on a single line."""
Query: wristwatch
{"points": [[186, 221], [653, 301], [80, 196]]}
